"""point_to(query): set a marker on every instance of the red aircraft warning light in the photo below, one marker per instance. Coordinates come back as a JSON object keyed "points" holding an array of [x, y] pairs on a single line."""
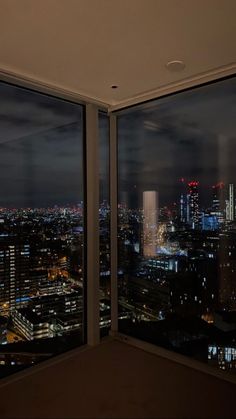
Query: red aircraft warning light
{"points": [[193, 183]]}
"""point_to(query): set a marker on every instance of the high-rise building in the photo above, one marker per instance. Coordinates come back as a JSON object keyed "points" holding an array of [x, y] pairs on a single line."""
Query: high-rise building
{"points": [[182, 212], [227, 211], [15, 283], [193, 202], [209, 221], [150, 221], [182, 201], [218, 202], [218, 196], [231, 202], [187, 208]]}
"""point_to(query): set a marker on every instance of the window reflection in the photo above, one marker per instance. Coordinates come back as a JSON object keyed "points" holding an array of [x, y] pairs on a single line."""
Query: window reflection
{"points": [[177, 221]]}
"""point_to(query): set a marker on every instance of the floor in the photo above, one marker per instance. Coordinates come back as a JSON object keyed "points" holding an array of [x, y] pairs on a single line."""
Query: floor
{"points": [[116, 380]]}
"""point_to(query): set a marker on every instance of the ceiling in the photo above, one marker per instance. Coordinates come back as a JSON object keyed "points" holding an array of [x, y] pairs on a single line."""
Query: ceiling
{"points": [[86, 46]]}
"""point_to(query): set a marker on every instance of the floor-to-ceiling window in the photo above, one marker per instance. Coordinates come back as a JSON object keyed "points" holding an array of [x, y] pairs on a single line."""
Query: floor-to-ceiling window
{"points": [[104, 224], [177, 222], [41, 227]]}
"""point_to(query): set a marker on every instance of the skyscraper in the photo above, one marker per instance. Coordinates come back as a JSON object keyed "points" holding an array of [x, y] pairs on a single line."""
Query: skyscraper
{"points": [[150, 220], [182, 201], [231, 202], [193, 203], [218, 202], [182, 214], [227, 211], [14, 273], [217, 196]]}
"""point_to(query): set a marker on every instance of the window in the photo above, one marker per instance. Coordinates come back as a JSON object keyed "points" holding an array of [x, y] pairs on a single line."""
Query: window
{"points": [[104, 223], [41, 225], [177, 220]]}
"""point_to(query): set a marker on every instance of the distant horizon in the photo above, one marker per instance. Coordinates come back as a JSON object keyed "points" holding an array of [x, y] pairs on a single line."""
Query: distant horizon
{"points": [[190, 134]]}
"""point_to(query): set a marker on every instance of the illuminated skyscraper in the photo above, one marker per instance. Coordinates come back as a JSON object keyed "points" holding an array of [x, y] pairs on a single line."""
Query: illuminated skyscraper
{"points": [[150, 220], [227, 212], [182, 218], [218, 202], [182, 201], [187, 208], [193, 203], [14, 274], [217, 196], [231, 202]]}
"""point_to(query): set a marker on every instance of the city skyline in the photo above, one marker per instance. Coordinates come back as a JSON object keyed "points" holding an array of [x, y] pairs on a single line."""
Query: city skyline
{"points": [[204, 190], [189, 134], [195, 128]]}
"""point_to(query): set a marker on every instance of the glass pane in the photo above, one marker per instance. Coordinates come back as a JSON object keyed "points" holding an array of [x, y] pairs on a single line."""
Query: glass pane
{"points": [[104, 222], [41, 227], [177, 223]]}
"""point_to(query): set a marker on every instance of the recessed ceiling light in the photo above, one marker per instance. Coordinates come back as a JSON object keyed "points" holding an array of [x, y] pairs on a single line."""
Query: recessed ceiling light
{"points": [[114, 86], [175, 65]]}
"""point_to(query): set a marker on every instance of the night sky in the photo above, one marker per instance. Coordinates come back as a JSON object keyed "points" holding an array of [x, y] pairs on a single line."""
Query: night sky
{"points": [[190, 135], [40, 150]]}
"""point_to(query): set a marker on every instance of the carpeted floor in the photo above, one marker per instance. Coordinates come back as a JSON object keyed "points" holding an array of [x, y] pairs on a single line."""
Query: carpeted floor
{"points": [[116, 380]]}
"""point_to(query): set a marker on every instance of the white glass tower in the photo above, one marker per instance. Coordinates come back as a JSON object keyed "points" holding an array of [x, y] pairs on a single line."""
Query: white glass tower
{"points": [[150, 220]]}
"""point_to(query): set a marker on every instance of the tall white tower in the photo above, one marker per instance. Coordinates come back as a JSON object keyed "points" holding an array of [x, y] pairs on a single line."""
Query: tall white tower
{"points": [[150, 221]]}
